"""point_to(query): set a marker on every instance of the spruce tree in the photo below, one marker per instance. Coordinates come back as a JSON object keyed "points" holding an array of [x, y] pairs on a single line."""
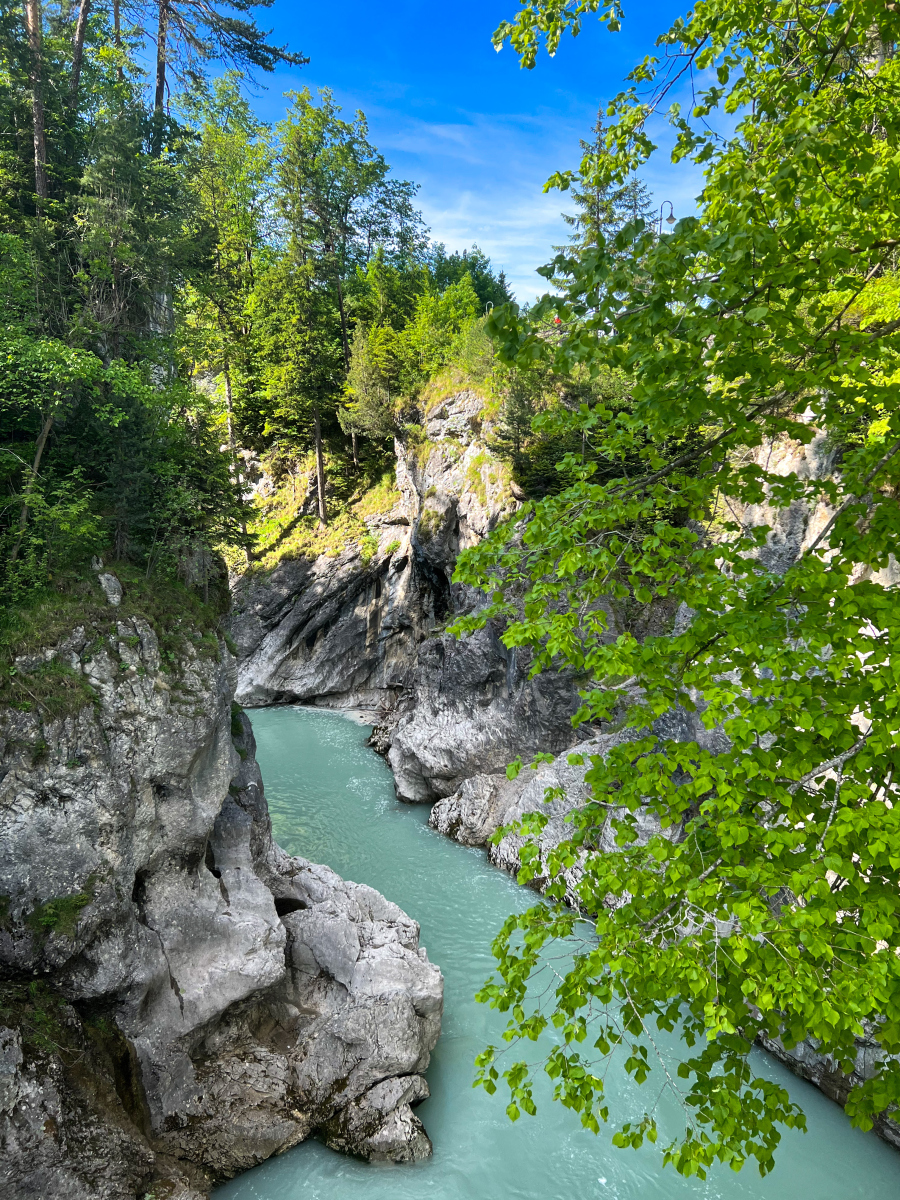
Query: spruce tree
{"points": [[603, 208]]}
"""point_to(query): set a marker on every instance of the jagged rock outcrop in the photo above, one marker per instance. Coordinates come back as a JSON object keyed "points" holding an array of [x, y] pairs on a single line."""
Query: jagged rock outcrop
{"points": [[180, 999], [806, 1060], [355, 633], [793, 528], [470, 710], [341, 631], [485, 803]]}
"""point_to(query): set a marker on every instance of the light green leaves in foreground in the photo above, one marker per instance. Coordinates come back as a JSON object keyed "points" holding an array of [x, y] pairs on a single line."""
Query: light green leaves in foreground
{"points": [[768, 900]]}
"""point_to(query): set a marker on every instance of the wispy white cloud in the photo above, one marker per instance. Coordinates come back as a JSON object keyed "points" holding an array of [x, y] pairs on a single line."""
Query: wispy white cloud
{"points": [[481, 181], [482, 177], [481, 174], [517, 233]]}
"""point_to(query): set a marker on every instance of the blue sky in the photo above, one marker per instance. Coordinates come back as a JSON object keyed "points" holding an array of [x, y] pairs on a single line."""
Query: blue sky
{"points": [[479, 134]]}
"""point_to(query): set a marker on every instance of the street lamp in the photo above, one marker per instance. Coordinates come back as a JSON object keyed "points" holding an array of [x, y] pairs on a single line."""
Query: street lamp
{"points": [[670, 219]]}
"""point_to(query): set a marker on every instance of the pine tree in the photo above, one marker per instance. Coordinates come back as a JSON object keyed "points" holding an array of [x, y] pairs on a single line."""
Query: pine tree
{"points": [[603, 209]]}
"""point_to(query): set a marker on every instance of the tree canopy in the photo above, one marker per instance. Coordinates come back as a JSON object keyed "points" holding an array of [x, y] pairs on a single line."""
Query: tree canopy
{"points": [[183, 285], [604, 207], [769, 900]]}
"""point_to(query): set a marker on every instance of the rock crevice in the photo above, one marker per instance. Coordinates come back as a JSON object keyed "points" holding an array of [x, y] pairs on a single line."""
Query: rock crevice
{"points": [[367, 634]]}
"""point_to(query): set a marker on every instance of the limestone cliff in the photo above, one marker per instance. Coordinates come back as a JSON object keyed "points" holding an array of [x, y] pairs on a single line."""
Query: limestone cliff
{"points": [[180, 999], [351, 632]]}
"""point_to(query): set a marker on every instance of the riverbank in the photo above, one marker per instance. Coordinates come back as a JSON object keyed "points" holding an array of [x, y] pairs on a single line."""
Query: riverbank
{"points": [[331, 795]]}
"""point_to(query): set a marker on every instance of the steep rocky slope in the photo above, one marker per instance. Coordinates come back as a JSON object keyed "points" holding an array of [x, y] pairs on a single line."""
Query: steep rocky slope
{"points": [[180, 999], [355, 632]]}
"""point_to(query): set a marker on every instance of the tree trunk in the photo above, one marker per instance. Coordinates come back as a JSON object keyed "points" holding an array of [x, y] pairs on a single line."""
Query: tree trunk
{"points": [[159, 99], [36, 79], [355, 458], [23, 515], [320, 468], [234, 458], [344, 338], [229, 408], [78, 48], [161, 36], [117, 34]]}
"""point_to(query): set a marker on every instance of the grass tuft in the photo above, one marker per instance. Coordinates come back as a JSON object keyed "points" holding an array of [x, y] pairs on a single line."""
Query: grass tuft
{"points": [[52, 689], [37, 1011], [61, 914], [429, 523]]}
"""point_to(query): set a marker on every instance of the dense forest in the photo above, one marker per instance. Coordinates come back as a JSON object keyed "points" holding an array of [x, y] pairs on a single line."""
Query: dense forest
{"points": [[182, 282]]}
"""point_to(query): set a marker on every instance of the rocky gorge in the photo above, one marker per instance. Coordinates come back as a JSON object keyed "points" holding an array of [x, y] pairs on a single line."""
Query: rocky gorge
{"points": [[369, 634], [180, 998]]}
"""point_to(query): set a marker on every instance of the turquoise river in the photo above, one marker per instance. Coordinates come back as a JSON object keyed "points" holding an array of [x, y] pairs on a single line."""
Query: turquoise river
{"points": [[332, 801]]}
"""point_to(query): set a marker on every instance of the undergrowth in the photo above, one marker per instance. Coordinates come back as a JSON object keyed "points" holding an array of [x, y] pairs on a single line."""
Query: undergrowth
{"points": [[37, 1012], [471, 368], [53, 688], [74, 601], [282, 532]]}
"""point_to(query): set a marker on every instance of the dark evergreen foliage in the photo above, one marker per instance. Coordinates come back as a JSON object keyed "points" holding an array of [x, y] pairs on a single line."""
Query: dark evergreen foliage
{"points": [[490, 286]]}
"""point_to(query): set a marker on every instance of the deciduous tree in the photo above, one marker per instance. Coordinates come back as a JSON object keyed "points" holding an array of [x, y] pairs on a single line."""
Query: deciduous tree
{"points": [[769, 901]]}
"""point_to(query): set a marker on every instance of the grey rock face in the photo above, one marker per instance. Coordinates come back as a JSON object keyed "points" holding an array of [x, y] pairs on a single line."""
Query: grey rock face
{"points": [[211, 1000], [338, 630], [354, 634], [807, 1061], [794, 528], [382, 1119], [65, 1129], [471, 710]]}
